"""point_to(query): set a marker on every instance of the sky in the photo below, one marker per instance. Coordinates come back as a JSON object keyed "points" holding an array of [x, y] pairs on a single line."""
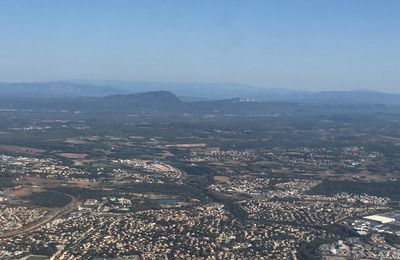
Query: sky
{"points": [[298, 44]]}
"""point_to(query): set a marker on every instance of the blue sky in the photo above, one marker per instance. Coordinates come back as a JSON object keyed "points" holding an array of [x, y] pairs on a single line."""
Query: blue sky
{"points": [[321, 44]]}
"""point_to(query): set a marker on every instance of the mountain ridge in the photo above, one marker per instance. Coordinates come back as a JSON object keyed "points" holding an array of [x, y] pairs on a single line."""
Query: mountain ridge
{"points": [[194, 92]]}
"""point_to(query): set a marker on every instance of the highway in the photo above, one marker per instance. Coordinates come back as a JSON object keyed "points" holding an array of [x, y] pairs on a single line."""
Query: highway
{"points": [[27, 229]]}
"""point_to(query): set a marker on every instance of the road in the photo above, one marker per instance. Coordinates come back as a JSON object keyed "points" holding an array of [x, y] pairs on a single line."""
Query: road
{"points": [[27, 229]]}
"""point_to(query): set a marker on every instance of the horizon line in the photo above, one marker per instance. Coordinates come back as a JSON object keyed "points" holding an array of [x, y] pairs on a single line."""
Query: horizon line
{"points": [[249, 85]]}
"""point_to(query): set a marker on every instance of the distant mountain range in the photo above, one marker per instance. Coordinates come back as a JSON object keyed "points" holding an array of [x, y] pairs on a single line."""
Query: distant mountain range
{"points": [[165, 103], [192, 92]]}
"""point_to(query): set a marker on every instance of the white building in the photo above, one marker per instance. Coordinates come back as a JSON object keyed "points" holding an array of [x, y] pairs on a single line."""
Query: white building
{"points": [[380, 219]]}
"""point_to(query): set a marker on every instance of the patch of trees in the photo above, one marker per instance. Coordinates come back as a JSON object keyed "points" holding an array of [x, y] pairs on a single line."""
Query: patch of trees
{"points": [[229, 204], [48, 199], [392, 239], [45, 250], [84, 193], [6, 182], [390, 189], [165, 188]]}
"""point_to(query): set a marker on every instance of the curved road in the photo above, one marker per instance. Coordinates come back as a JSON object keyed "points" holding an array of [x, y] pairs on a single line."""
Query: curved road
{"points": [[37, 224]]}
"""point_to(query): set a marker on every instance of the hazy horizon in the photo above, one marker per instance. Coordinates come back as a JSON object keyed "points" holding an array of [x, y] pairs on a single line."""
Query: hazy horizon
{"points": [[313, 45], [105, 83]]}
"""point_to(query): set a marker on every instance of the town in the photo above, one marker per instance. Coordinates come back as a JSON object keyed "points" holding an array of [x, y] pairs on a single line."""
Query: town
{"points": [[141, 188]]}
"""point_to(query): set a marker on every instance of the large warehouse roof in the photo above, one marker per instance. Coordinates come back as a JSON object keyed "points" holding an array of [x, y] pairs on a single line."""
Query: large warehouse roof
{"points": [[380, 219]]}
